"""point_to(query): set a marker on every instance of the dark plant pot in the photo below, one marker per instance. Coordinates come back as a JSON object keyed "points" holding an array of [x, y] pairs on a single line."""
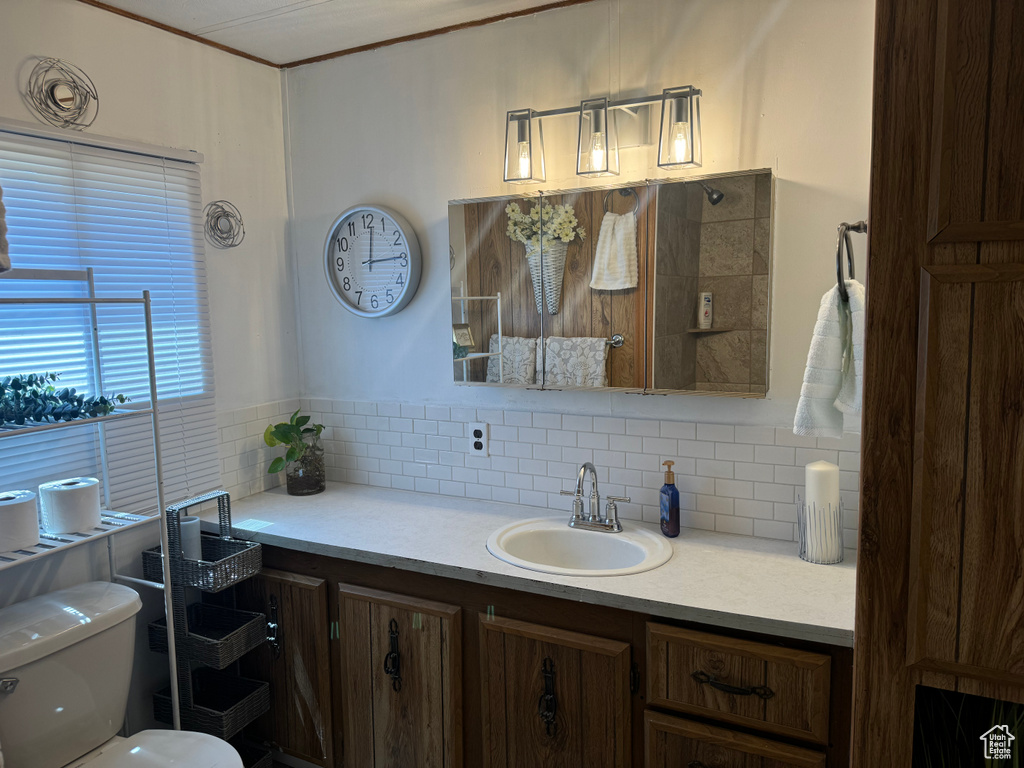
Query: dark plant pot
{"points": [[308, 475]]}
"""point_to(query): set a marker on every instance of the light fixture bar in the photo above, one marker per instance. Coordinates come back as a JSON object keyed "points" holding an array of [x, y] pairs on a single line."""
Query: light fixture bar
{"points": [[638, 101]]}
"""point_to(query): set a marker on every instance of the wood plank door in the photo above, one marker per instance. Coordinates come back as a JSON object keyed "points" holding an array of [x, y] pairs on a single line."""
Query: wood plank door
{"points": [[939, 576], [553, 698], [401, 672], [298, 665]]}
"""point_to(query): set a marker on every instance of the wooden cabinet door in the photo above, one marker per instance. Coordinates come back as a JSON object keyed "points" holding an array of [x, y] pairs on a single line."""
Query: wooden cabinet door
{"points": [[674, 742], [401, 672], [297, 667], [586, 721]]}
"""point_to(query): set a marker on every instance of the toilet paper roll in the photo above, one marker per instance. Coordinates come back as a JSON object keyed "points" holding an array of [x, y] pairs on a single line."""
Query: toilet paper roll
{"points": [[191, 544], [19, 521], [70, 506]]}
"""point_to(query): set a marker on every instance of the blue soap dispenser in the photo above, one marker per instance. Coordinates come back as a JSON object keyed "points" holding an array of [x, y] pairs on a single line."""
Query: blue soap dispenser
{"points": [[669, 503]]}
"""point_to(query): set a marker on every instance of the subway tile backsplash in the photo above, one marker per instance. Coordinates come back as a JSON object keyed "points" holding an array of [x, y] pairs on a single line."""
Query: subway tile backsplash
{"points": [[734, 479]]}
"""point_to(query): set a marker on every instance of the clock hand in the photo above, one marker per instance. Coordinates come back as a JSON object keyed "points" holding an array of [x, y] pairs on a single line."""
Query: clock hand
{"points": [[390, 258], [370, 262]]}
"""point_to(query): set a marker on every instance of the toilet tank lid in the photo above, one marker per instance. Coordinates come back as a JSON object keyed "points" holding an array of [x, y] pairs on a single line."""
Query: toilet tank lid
{"points": [[49, 623]]}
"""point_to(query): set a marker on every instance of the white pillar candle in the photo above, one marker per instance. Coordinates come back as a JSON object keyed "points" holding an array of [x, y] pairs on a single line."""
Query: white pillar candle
{"points": [[821, 485]]}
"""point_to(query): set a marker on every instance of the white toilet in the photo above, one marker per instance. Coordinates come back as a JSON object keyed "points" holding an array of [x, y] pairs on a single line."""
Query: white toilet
{"points": [[65, 665]]}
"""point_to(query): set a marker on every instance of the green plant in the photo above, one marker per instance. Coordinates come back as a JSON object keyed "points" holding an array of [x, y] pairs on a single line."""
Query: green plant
{"points": [[33, 397], [291, 433], [459, 352]]}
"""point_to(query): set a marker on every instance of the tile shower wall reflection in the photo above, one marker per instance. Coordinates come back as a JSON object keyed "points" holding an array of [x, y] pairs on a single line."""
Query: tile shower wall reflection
{"points": [[724, 250]]}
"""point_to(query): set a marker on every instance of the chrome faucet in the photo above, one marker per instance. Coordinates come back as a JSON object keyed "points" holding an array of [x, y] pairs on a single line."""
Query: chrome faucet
{"points": [[593, 521]]}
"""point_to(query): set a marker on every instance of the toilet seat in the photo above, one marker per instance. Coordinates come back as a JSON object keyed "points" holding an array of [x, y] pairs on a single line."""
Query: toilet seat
{"points": [[161, 749]]}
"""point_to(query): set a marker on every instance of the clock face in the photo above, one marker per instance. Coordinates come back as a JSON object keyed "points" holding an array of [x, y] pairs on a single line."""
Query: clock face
{"points": [[372, 261]]}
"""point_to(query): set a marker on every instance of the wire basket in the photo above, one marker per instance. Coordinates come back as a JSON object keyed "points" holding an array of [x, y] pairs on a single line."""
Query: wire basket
{"points": [[222, 704], [820, 533], [216, 636]]}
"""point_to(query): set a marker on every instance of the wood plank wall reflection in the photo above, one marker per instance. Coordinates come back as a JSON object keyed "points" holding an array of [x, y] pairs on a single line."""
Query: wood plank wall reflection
{"points": [[495, 263]]}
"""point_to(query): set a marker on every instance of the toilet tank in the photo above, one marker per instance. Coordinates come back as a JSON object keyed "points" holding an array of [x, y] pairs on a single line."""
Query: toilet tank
{"points": [[71, 653]]}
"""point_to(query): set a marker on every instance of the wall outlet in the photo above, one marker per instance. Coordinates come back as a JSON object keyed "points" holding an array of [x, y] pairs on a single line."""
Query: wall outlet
{"points": [[477, 434]]}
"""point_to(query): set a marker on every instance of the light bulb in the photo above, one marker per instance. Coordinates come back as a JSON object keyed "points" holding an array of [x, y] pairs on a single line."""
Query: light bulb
{"points": [[597, 149], [679, 134], [524, 159]]}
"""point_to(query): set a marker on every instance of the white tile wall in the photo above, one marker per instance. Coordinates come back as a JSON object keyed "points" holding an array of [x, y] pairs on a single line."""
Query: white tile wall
{"points": [[734, 479]]}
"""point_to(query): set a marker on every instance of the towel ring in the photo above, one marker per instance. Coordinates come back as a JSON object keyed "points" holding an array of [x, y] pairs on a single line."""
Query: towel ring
{"points": [[844, 239], [624, 192]]}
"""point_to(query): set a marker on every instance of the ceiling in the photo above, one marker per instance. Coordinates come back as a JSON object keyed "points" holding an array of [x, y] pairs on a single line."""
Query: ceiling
{"points": [[287, 31]]}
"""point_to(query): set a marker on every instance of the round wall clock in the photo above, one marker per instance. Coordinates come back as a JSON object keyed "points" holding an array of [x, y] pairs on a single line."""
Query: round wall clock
{"points": [[372, 261]]}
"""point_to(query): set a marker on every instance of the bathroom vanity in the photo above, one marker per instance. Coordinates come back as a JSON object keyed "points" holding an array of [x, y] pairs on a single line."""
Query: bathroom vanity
{"points": [[402, 641]]}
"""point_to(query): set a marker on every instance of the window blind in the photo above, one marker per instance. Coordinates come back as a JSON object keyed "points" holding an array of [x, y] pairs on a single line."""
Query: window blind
{"points": [[136, 221]]}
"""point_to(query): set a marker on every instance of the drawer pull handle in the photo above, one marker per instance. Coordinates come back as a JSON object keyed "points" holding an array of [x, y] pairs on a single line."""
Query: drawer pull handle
{"points": [[695, 764], [762, 691]]}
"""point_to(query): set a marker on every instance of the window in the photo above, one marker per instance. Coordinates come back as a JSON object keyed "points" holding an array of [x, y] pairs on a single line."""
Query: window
{"points": [[136, 221]]}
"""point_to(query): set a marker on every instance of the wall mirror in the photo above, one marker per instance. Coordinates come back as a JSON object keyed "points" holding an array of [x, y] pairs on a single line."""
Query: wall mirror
{"points": [[600, 287]]}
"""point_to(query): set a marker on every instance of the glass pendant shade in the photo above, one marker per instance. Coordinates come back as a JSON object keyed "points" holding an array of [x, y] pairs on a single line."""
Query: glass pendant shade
{"points": [[524, 148], [597, 152], [679, 140]]}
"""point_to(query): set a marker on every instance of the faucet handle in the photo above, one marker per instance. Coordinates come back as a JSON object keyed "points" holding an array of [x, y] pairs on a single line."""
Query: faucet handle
{"points": [[568, 493], [620, 499]]}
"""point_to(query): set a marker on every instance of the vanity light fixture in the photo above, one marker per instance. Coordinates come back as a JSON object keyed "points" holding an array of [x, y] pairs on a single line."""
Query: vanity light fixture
{"points": [[679, 140], [524, 147], [597, 153], [597, 150]]}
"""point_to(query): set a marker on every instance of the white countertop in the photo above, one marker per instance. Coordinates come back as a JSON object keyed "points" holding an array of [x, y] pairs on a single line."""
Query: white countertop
{"points": [[721, 580]]}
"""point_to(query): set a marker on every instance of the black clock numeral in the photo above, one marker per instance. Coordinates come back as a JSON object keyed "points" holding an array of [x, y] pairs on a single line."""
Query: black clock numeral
{"points": [[359, 298], [343, 244], [398, 238], [383, 225], [367, 221], [389, 297], [400, 280], [404, 258], [341, 264], [373, 301], [347, 284], [352, 229]]}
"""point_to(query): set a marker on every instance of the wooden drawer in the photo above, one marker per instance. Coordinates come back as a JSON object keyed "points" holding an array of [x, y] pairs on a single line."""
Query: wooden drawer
{"points": [[672, 742], [753, 684]]}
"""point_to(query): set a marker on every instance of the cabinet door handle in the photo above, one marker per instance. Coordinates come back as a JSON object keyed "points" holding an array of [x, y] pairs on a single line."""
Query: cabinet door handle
{"points": [[273, 628], [392, 661], [695, 764], [547, 705], [763, 691]]}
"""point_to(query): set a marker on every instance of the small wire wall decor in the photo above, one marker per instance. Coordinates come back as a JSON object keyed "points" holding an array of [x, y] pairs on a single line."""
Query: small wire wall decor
{"points": [[62, 94], [820, 532], [224, 226]]}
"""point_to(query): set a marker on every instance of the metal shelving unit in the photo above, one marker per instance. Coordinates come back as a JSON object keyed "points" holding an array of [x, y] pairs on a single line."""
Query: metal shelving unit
{"points": [[461, 301], [113, 522]]}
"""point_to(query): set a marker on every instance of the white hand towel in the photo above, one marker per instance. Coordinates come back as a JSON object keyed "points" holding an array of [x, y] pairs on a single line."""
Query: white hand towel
{"points": [[5, 260], [832, 379], [575, 362], [615, 265], [850, 395], [518, 359]]}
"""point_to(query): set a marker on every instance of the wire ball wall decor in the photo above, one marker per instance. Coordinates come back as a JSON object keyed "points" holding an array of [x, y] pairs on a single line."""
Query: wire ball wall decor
{"points": [[224, 226], [62, 94]]}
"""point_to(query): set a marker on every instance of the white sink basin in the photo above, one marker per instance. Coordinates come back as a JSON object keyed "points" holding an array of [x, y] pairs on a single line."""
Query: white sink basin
{"points": [[549, 545]]}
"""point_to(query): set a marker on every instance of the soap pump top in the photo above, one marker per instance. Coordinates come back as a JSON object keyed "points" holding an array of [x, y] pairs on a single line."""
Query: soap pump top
{"points": [[670, 476]]}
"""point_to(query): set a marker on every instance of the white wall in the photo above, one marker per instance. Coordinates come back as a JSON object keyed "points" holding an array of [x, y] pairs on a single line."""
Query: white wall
{"points": [[414, 125], [161, 89]]}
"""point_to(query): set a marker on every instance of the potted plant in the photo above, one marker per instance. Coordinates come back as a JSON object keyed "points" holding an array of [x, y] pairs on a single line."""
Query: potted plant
{"points": [[304, 460], [546, 231], [34, 398]]}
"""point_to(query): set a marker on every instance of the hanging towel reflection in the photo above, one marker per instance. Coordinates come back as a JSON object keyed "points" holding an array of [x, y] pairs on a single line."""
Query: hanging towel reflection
{"points": [[615, 265]]}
